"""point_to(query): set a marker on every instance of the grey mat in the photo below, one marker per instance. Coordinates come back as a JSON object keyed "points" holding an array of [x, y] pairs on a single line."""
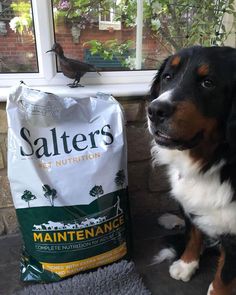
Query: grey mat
{"points": [[117, 279]]}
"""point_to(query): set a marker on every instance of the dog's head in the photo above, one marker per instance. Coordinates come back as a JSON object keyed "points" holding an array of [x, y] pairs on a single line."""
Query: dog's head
{"points": [[193, 98]]}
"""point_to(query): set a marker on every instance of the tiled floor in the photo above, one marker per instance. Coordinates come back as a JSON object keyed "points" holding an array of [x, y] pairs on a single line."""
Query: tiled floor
{"points": [[146, 235]]}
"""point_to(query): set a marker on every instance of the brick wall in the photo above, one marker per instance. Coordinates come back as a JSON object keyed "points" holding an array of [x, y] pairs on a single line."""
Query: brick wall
{"points": [[17, 50], [152, 50], [147, 186], [18, 53]]}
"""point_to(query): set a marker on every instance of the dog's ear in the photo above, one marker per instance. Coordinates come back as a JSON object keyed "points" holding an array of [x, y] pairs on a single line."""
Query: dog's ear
{"points": [[155, 88]]}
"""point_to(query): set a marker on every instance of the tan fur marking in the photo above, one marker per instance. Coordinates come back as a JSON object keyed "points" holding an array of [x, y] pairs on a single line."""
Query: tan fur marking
{"points": [[175, 61], [218, 286], [187, 122], [203, 70], [194, 246]]}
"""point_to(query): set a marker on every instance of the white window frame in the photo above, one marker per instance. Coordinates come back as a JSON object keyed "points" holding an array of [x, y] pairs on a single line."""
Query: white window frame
{"points": [[43, 23]]}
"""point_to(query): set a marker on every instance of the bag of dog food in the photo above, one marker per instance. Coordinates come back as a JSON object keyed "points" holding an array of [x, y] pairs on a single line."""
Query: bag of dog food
{"points": [[67, 167]]}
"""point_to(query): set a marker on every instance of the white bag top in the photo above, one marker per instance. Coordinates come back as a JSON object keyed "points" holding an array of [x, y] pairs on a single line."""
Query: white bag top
{"points": [[65, 143]]}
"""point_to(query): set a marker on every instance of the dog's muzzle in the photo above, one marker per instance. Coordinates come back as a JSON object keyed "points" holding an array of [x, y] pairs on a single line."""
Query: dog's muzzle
{"points": [[161, 115], [159, 111]]}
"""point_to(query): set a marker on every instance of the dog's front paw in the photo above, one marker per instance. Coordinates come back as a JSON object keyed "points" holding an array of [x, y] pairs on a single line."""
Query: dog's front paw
{"points": [[181, 270]]}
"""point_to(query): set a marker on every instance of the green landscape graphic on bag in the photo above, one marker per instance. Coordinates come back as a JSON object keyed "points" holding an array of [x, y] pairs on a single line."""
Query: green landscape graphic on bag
{"points": [[27, 197], [49, 193]]}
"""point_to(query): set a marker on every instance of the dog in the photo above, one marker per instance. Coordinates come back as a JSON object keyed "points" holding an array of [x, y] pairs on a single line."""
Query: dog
{"points": [[192, 119]]}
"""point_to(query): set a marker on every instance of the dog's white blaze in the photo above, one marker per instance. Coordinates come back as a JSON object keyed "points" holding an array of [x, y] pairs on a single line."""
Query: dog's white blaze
{"points": [[149, 125], [201, 194], [183, 271], [164, 96], [210, 289]]}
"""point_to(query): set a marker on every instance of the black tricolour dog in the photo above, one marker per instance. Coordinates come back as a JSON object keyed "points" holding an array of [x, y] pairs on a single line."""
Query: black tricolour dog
{"points": [[192, 117]]}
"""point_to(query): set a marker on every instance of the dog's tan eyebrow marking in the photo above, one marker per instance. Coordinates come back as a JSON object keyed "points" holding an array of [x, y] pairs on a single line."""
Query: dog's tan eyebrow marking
{"points": [[175, 61], [203, 70]]}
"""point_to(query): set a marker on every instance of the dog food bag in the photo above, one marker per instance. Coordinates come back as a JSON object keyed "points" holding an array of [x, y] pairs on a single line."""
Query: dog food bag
{"points": [[67, 167]]}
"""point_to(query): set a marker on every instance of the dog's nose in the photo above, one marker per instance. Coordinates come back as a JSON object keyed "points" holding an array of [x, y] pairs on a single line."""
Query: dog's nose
{"points": [[160, 110]]}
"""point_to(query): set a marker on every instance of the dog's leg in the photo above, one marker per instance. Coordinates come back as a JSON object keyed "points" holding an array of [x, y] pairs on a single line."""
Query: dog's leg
{"points": [[225, 278], [185, 267]]}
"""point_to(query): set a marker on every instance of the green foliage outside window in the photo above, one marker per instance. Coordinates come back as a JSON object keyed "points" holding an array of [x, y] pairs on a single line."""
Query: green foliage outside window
{"points": [[112, 48], [22, 22], [178, 23], [187, 22]]}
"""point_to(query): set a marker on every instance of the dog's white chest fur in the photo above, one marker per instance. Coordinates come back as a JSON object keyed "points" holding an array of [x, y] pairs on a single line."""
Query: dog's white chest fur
{"points": [[200, 194]]}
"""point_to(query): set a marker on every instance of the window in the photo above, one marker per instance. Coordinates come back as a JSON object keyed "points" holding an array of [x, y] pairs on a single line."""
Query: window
{"points": [[107, 18], [125, 40], [17, 47]]}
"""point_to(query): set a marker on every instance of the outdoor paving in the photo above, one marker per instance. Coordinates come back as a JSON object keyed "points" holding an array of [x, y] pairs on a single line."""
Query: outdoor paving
{"points": [[146, 236]]}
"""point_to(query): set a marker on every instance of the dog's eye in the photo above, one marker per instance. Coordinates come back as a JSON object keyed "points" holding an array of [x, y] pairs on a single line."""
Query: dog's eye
{"points": [[167, 77], [207, 83]]}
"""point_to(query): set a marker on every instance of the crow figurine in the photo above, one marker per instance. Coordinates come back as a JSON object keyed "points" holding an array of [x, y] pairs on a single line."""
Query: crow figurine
{"points": [[72, 68]]}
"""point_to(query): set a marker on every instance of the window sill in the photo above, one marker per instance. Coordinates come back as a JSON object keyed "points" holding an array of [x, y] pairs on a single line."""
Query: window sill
{"points": [[117, 90]]}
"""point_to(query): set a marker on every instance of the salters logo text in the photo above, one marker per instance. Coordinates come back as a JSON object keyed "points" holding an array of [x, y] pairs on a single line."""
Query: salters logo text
{"points": [[63, 143]]}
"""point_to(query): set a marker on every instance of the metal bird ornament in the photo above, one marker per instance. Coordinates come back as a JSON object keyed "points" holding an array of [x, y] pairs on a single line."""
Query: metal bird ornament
{"points": [[71, 68]]}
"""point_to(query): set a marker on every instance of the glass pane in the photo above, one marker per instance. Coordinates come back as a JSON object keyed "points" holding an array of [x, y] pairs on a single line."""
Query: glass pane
{"points": [[17, 39], [170, 25], [103, 33]]}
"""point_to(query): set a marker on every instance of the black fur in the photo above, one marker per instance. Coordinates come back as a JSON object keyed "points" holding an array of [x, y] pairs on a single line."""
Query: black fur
{"points": [[155, 88], [229, 270]]}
